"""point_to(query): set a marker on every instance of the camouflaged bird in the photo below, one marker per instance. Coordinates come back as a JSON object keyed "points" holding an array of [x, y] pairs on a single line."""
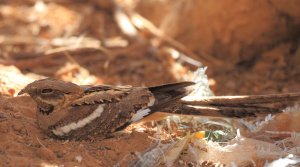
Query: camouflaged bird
{"points": [[66, 110]]}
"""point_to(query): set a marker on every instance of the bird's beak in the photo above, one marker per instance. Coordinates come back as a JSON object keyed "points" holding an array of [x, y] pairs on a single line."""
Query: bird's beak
{"points": [[26, 90], [22, 91]]}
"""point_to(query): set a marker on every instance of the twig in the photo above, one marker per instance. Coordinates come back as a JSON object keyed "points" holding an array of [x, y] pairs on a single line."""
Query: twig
{"points": [[73, 50], [41, 143], [146, 24]]}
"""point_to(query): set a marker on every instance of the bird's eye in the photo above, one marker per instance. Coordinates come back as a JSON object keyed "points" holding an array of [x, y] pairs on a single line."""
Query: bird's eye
{"points": [[46, 91]]}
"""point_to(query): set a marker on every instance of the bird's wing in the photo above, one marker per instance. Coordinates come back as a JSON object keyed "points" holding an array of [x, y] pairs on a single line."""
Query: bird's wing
{"points": [[119, 106], [102, 94], [134, 103], [90, 89], [104, 109], [119, 101]]}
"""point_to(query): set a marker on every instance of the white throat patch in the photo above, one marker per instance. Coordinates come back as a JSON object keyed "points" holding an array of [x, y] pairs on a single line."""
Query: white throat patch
{"points": [[60, 131]]}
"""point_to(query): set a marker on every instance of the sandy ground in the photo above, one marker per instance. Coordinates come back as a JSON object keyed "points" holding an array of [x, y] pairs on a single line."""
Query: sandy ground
{"points": [[274, 68]]}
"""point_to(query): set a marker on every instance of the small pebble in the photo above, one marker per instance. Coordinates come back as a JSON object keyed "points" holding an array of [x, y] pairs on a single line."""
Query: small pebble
{"points": [[78, 158]]}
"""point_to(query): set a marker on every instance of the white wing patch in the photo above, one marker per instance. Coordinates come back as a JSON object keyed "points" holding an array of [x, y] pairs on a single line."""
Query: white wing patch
{"points": [[151, 101], [60, 131], [140, 114]]}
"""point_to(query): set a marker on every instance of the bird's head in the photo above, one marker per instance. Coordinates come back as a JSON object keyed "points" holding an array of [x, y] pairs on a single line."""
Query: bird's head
{"points": [[51, 92], [51, 95]]}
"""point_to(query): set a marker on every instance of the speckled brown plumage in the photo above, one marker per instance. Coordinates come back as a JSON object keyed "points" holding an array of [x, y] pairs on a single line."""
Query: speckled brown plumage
{"points": [[67, 110]]}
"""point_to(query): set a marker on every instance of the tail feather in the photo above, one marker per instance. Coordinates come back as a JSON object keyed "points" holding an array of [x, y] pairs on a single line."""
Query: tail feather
{"points": [[223, 111], [167, 94], [170, 87]]}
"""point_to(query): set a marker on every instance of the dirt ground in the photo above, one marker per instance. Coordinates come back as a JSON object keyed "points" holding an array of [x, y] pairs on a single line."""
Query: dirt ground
{"points": [[249, 48]]}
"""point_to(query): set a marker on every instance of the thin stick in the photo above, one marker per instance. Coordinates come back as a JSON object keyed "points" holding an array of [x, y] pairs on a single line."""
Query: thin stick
{"points": [[41, 142], [136, 19]]}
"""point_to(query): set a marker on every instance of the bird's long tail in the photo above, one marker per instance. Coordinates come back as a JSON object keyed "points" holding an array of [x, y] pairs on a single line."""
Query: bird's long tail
{"points": [[235, 106], [167, 99]]}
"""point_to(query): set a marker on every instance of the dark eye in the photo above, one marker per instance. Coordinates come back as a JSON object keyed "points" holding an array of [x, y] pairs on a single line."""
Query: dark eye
{"points": [[46, 91]]}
